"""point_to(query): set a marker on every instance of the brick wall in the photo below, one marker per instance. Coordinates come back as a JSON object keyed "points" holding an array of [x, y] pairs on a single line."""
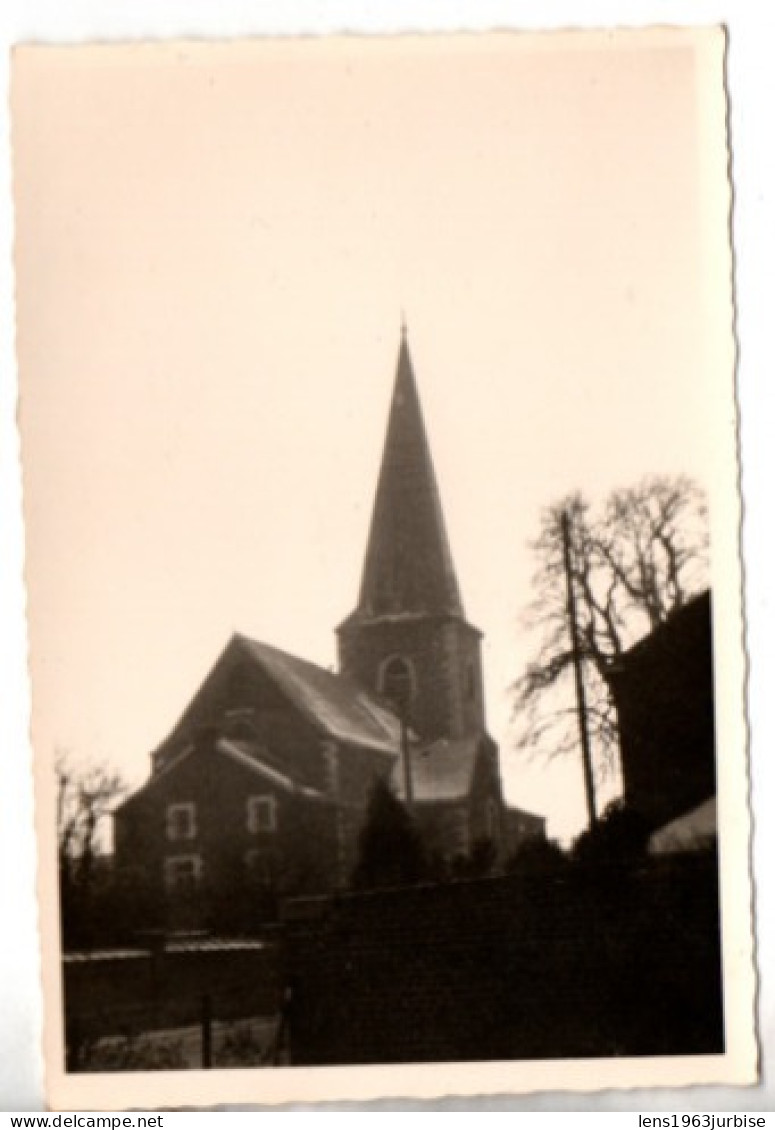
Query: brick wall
{"points": [[519, 967], [533, 966]]}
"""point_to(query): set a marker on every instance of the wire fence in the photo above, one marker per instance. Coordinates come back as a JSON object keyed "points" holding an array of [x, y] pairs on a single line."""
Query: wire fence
{"points": [[210, 1030], [182, 1011]]}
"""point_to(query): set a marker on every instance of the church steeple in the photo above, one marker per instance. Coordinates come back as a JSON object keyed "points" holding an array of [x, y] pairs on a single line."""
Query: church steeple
{"points": [[408, 566], [409, 622]]}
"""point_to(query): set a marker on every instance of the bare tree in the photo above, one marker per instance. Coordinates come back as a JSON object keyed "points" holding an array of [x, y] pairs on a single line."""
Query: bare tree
{"points": [[85, 797], [633, 563]]}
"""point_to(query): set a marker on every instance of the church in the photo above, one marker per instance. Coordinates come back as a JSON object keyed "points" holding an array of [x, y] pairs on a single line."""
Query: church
{"points": [[264, 782]]}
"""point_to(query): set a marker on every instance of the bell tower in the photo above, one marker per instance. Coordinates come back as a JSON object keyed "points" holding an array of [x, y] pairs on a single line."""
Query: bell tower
{"points": [[408, 638]]}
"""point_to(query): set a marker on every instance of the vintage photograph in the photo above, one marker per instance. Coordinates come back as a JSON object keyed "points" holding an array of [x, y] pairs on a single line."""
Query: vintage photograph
{"points": [[380, 482]]}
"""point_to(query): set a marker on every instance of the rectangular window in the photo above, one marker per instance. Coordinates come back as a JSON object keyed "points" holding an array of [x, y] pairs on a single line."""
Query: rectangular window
{"points": [[262, 814], [181, 821], [182, 873]]}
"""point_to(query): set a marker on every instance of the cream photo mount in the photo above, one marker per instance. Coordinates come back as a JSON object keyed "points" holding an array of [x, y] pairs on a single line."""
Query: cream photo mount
{"points": [[214, 241]]}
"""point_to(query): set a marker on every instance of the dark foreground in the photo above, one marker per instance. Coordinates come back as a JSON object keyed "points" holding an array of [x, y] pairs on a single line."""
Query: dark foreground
{"points": [[602, 962]]}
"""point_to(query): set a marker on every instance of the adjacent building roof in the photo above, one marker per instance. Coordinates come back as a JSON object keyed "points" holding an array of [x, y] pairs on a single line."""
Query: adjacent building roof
{"points": [[693, 831], [408, 566], [441, 771]]}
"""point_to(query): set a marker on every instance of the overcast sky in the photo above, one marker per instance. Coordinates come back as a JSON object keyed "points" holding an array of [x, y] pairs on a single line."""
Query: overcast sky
{"points": [[214, 247]]}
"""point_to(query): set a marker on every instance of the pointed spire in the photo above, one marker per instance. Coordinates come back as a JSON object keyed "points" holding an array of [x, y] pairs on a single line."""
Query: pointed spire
{"points": [[408, 566]]}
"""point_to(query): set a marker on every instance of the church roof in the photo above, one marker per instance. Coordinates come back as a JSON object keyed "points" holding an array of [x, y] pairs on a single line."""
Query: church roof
{"points": [[441, 771], [408, 567], [246, 753], [334, 704]]}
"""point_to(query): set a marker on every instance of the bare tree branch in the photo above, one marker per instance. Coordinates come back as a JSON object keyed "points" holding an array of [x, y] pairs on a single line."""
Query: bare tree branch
{"points": [[634, 562], [85, 796]]}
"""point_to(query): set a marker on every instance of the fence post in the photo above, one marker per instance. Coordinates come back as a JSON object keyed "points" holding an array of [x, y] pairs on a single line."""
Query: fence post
{"points": [[207, 1031]]}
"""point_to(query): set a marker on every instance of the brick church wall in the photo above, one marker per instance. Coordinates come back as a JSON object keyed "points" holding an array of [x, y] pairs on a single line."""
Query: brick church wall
{"points": [[301, 850], [442, 652]]}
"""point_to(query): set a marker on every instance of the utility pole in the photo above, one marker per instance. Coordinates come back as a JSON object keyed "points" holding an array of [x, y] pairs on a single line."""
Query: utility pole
{"points": [[581, 706], [398, 688]]}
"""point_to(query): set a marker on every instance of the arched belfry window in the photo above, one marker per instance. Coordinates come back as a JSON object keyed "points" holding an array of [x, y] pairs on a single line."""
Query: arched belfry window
{"points": [[397, 680]]}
